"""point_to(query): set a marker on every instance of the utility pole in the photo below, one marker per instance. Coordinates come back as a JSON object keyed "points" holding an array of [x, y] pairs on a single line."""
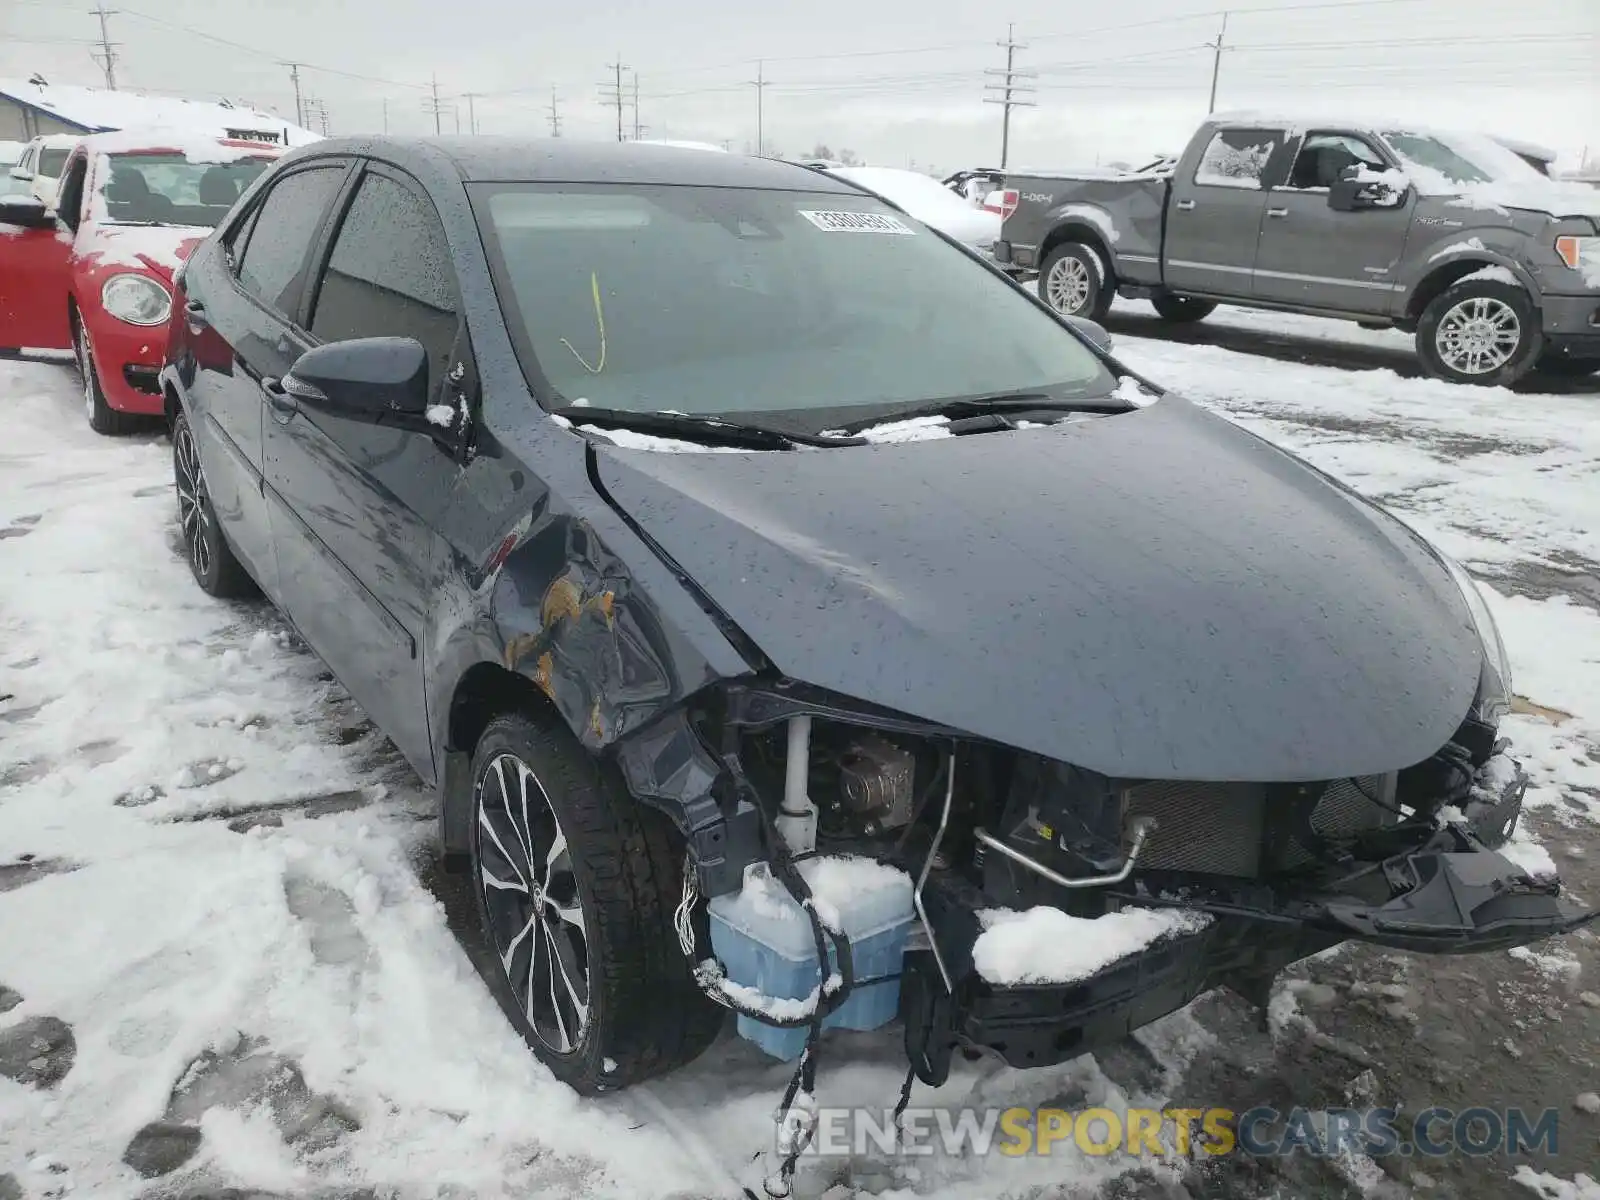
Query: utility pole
{"points": [[432, 105], [299, 107], [472, 113], [555, 115], [637, 128], [108, 55], [1216, 62], [760, 84], [386, 114], [1009, 92], [612, 93]]}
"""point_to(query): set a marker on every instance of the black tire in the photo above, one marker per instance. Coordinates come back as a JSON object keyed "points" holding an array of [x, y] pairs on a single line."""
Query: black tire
{"points": [[211, 559], [1464, 330], [642, 1013], [1559, 366], [102, 417], [1182, 309], [1073, 281]]}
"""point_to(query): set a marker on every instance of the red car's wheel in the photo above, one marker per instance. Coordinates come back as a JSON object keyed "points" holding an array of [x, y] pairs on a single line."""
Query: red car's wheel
{"points": [[102, 417]]}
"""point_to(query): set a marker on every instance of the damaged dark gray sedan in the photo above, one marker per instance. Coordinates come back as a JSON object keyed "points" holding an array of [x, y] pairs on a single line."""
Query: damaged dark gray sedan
{"points": [[797, 618]]}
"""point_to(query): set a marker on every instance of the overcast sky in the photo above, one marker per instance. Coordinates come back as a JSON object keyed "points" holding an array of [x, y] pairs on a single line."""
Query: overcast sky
{"points": [[899, 82]]}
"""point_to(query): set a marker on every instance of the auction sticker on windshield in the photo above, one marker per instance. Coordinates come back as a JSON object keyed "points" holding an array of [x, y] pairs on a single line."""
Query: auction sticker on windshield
{"points": [[855, 222]]}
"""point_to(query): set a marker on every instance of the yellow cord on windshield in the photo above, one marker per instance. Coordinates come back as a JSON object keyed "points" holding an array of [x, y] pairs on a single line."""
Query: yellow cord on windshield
{"points": [[600, 320]]}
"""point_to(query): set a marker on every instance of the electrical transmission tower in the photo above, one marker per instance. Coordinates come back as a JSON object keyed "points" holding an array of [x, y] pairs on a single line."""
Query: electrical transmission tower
{"points": [[555, 115], [316, 110], [612, 93], [1009, 93], [107, 58]]}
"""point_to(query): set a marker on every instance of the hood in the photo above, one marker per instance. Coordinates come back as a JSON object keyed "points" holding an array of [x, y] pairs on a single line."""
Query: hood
{"points": [[157, 249], [1552, 198], [1153, 595]]}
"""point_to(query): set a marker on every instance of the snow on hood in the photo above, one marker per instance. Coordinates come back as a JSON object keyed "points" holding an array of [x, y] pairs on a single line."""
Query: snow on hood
{"points": [[929, 201], [1154, 595], [158, 248]]}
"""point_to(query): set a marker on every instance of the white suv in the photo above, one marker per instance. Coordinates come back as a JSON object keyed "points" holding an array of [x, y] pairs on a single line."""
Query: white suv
{"points": [[41, 163]]}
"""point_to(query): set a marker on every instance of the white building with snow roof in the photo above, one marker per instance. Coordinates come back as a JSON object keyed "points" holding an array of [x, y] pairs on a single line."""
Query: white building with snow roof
{"points": [[29, 109]]}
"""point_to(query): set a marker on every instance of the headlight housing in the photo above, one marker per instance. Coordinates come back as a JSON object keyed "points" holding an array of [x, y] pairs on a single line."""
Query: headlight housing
{"points": [[1581, 254], [1495, 697], [136, 299]]}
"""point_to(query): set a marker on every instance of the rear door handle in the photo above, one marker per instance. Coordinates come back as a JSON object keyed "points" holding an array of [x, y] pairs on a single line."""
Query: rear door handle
{"points": [[1277, 212], [277, 397], [1185, 205]]}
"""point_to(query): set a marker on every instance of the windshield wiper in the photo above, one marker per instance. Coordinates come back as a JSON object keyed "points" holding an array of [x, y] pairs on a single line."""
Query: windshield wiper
{"points": [[711, 430], [992, 404]]}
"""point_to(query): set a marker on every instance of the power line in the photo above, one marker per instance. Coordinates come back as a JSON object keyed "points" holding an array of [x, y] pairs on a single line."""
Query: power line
{"points": [[1010, 92], [107, 58]]}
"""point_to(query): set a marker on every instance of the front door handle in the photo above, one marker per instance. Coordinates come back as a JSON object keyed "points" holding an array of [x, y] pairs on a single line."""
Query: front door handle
{"points": [[277, 397], [1277, 212], [196, 312], [1185, 205]]}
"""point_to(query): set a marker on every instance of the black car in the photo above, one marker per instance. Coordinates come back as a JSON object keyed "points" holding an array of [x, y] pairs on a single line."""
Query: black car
{"points": [[577, 465]]}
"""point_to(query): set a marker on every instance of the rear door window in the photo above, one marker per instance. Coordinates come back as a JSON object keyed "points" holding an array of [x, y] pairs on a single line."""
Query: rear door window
{"points": [[369, 289], [1237, 158], [272, 264]]}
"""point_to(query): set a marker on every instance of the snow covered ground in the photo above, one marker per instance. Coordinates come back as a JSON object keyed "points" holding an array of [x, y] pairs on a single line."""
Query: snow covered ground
{"points": [[220, 936]]}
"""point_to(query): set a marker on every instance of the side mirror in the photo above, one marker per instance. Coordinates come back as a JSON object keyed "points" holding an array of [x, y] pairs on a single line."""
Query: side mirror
{"points": [[1095, 333], [22, 173], [27, 212], [379, 380], [1354, 192]]}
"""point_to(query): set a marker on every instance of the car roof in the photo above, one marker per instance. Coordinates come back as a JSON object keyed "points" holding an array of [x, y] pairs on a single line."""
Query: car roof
{"points": [[569, 160]]}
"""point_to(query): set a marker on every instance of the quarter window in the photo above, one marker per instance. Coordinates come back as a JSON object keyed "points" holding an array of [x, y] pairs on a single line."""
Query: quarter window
{"points": [[1237, 158], [389, 274], [273, 264]]}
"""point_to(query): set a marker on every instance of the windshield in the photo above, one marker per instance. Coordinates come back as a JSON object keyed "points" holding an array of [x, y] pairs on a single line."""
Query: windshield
{"points": [[51, 162], [1443, 164], [720, 300], [168, 189]]}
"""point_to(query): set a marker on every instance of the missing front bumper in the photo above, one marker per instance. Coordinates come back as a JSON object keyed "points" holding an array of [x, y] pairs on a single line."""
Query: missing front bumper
{"points": [[1448, 892]]}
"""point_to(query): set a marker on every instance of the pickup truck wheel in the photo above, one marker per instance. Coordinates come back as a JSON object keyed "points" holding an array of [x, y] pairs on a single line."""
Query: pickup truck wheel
{"points": [[1073, 282], [1182, 309], [1481, 332], [576, 883]]}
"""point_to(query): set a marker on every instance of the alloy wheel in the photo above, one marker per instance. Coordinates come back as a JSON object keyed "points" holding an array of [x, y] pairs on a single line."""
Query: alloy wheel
{"points": [[1478, 335], [530, 895], [193, 514], [80, 343], [1068, 285]]}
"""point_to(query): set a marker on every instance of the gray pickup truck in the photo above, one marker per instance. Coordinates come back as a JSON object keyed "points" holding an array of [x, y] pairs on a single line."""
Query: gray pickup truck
{"points": [[1453, 237]]}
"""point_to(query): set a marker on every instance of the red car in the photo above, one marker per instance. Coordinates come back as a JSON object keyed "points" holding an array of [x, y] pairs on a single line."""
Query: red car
{"points": [[94, 275]]}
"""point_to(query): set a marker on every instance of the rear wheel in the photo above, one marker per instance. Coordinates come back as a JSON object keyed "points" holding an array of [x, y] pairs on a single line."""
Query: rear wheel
{"points": [[1073, 282], [211, 559], [1182, 309], [102, 417], [1480, 331], [576, 884]]}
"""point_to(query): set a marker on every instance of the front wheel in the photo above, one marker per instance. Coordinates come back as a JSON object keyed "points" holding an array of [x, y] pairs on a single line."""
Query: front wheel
{"points": [[1073, 282], [1182, 309], [576, 883], [211, 559], [1480, 331], [102, 417]]}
